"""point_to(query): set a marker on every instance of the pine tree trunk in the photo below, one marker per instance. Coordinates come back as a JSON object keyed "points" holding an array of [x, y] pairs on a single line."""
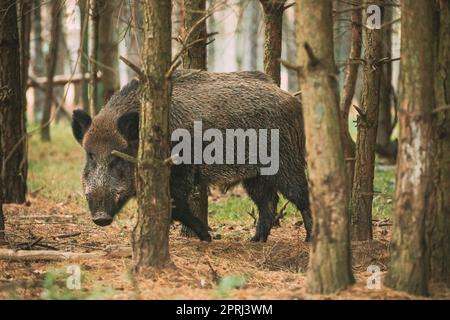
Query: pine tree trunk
{"points": [[12, 110], [273, 20], [195, 58], [439, 222], [251, 28], [94, 103], [348, 93], [25, 32], [151, 233], [385, 147], [84, 51], [109, 47], [52, 57], [408, 269], [330, 260], [362, 192], [39, 61]]}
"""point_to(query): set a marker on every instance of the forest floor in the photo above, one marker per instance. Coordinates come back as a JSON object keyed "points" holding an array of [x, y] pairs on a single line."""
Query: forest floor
{"points": [[56, 217]]}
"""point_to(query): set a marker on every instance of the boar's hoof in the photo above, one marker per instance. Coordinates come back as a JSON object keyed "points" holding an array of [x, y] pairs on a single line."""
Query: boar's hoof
{"points": [[205, 237], [258, 238]]}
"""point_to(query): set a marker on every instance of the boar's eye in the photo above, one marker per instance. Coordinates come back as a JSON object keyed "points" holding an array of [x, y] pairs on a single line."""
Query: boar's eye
{"points": [[114, 162], [90, 156]]}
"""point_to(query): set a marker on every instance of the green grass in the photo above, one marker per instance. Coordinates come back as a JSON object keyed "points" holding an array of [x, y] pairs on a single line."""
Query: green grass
{"points": [[55, 172]]}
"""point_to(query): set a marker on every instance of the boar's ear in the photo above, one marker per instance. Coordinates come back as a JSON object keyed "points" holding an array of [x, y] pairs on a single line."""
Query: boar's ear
{"points": [[128, 125], [81, 122]]}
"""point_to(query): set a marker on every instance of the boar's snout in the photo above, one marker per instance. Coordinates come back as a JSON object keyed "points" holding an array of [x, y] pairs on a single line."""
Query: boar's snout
{"points": [[102, 219]]}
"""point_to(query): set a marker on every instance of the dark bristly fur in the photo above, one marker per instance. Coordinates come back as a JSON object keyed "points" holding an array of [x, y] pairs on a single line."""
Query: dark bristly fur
{"points": [[247, 100]]}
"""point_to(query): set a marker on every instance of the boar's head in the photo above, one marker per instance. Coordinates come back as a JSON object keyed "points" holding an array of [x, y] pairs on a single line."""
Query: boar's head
{"points": [[108, 181]]}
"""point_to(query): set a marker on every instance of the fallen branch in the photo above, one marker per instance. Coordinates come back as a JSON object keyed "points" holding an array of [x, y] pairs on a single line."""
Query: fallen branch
{"points": [[36, 255]]}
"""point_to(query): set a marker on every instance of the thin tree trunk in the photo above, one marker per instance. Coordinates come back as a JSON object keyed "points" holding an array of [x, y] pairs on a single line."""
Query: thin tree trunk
{"points": [[94, 103], [84, 51], [384, 146], [151, 233], [25, 32], [408, 269], [251, 29], [439, 222], [12, 110], [348, 92], [39, 61], [109, 47], [211, 54], [195, 58], [362, 192], [290, 41], [273, 19], [52, 57], [330, 260]]}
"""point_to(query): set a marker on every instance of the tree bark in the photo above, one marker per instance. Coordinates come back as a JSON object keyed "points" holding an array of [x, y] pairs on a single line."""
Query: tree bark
{"points": [[439, 222], [151, 233], [94, 103], [38, 64], [84, 51], [273, 20], [362, 191], [384, 146], [330, 260], [52, 57], [25, 32], [109, 47], [196, 58], [348, 92], [409, 262], [12, 110]]}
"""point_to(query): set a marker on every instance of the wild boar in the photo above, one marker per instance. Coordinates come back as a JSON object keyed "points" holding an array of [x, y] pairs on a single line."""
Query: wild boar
{"points": [[244, 100]]}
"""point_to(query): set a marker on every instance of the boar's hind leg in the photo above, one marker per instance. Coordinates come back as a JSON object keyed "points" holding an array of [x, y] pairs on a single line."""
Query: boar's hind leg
{"points": [[265, 197], [296, 191], [182, 213]]}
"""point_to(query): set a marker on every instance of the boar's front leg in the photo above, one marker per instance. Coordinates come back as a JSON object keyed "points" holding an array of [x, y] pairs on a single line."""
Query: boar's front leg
{"points": [[182, 213]]}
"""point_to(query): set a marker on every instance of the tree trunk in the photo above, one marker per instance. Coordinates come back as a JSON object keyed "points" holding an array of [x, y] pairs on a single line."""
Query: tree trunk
{"points": [[195, 58], [25, 32], [94, 104], [362, 192], [251, 35], [439, 223], [12, 110], [330, 260], [408, 266], [109, 47], [39, 61], [290, 43], [52, 57], [84, 51], [151, 233], [273, 20], [211, 48], [384, 146], [348, 92]]}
